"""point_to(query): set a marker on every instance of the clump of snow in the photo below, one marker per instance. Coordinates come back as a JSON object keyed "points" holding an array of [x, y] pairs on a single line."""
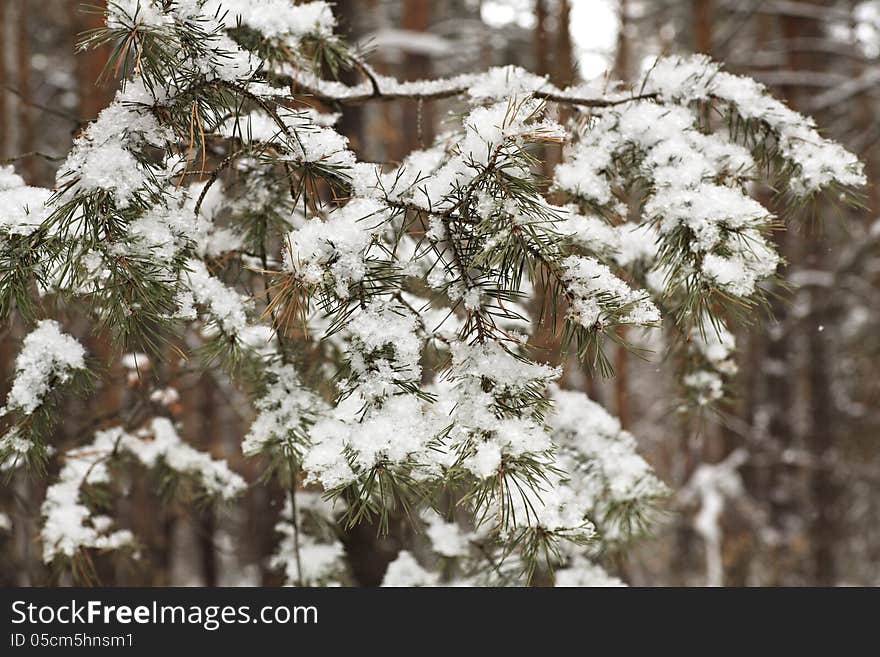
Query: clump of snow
{"points": [[127, 13], [104, 156], [15, 447], [717, 345], [9, 179], [385, 350], [160, 442], [405, 571], [333, 251], [637, 244], [165, 396], [447, 538], [320, 560], [819, 161], [508, 374], [162, 232], [557, 508], [589, 231], [706, 210], [599, 298], [48, 358], [275, 18], [488, 381], [505, 81], [223, 304], [706, 386], [597, 454], [348, 445], [68, 524], [491, 134], [286, 408], [740, 272], [582, 572], [22, 208]]}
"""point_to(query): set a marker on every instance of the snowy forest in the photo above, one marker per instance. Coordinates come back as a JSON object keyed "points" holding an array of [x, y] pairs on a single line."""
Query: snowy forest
{"points": [[463, 293]]}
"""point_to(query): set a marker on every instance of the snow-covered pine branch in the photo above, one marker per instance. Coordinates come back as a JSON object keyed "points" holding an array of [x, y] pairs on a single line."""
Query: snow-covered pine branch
{"points": [[382, 314], [49, 360], [71, 525]]}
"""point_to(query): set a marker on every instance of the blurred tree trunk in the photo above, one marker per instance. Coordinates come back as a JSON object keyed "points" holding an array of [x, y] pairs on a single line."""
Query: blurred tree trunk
{"points": [[4, 94], [93, 95], [702, 12], [563, 74], [820, 432], [351, 122], [542, 52], [418, 117], [209, 441], [818, 438], [16, 140], [11, 138], [622, 54], [25, 105]]}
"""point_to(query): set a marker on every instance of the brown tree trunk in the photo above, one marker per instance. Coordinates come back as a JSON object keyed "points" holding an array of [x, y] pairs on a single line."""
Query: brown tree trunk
{"points": [[622, 54], [702, 12], [4, 95], [819, 434], [8, 58], [25, 109], [93, 96], [210, 440], [351, 122], [542, 52], [418, 119], [564, 69]]}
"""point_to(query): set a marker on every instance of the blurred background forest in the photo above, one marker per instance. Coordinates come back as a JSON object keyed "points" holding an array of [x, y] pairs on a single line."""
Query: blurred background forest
{"points": [[780, 488]]}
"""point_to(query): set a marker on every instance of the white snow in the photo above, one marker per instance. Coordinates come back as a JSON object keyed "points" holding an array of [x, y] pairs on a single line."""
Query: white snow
{"points": [[22, 208], [599, 297], [405, 571], [223, 304], [47, 359]]}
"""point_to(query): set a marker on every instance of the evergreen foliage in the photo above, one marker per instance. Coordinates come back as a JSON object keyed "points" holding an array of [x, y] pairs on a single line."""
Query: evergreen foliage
{"points": [[380, 315]]}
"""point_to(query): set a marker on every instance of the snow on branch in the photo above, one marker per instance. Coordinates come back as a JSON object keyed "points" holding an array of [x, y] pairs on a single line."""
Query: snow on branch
{"points": [[71, 526], [382, 316], [48, 361], [496, 83]]}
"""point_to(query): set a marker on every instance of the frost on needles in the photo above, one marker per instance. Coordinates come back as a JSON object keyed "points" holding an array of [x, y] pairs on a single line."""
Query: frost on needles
{"points": [[379, 315]]}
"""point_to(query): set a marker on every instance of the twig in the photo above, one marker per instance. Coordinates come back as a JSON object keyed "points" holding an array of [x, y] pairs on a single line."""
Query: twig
{"points": [[214, 175], [377, 94], [44, 108], [24, 156]]}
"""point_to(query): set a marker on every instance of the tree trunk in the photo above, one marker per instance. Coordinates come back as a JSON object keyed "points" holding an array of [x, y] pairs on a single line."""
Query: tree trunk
{"points": [[93, 96], [702, 12], [25, 109], [418, 119], [819, 428]]}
